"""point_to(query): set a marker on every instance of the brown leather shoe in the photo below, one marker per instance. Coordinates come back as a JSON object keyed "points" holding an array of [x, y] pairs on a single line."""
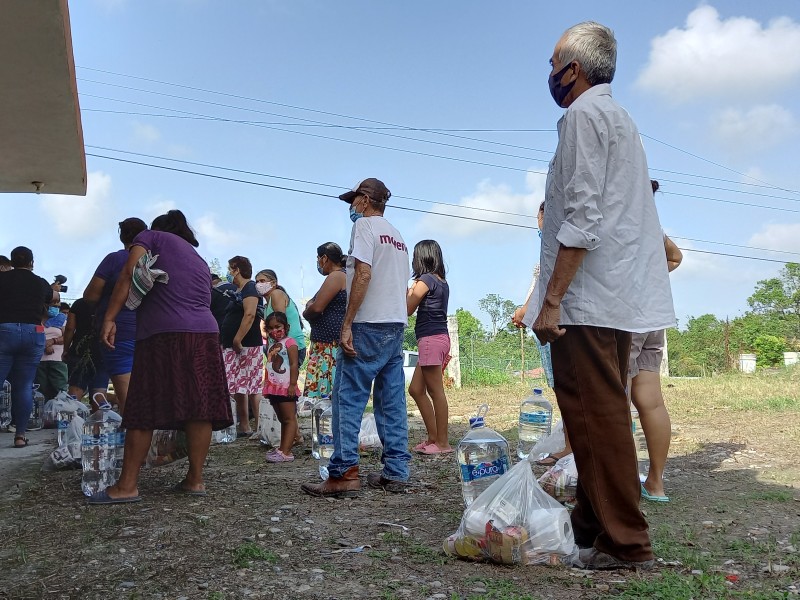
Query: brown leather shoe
{"points": [[378, 481], [346, 486]]}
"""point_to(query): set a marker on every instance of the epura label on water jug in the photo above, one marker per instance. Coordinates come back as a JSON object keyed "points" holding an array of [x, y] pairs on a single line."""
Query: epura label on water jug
{"points": [[538, 417], [484, 469], [325, 440]]}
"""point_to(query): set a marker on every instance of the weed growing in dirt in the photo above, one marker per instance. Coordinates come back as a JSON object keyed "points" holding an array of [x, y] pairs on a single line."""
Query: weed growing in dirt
{"points": [[772, 496], [248, 552], [216, 596], [672, 586], [497, 589], [677, 544], [22, 554]]}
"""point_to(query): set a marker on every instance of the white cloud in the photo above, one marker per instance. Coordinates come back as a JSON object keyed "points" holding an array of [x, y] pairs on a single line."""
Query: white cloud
{"points": [[778, 236], [159, 207], [715, 57], [144, 132], [209, 231], [79, 216], [753, 130], [491, 196]]}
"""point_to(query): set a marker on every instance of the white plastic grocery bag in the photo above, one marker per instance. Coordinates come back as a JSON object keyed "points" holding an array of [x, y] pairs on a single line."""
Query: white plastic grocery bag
{"points": [[515, 522]]}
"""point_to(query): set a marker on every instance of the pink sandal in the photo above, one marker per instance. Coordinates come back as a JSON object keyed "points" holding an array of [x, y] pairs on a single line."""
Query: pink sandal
{"points": [[421, 446], [434, 449]]}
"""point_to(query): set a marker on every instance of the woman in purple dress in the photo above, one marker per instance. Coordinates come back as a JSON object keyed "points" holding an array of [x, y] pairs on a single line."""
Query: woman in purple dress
{"points": [[178, 378]]}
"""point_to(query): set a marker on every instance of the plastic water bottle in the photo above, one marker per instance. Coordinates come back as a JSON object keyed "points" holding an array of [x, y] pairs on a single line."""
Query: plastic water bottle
{"points": [[482, 457], [642, 455], [64, 413], [322, 429], [535, 422], [5, 405], [102, 448], [36, 420]]}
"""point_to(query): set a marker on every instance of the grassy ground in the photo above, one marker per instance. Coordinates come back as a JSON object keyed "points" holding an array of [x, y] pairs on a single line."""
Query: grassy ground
{"points": [[732, 529]]}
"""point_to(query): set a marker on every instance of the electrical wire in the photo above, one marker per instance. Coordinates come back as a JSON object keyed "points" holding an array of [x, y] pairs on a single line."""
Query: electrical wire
{"points": [[338, 187], [357, 143], [320, 194], [325, 124], [270, 125], [429, 130]]}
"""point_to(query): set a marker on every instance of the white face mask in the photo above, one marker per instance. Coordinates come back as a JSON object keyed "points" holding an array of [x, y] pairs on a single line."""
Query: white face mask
{"points": [[263, 287]]}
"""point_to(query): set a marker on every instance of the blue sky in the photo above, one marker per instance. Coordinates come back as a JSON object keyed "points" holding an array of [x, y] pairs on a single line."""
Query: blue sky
{"points": [[719, 81]]}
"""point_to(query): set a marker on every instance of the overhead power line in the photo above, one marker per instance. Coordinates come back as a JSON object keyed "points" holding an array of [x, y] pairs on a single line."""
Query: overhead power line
{"points": [[210, 117], [270, 125], [406, 128], [326, 124], [357, 143], [324, 195]]}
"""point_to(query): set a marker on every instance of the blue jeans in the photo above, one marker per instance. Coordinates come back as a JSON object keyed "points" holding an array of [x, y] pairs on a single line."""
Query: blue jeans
{"points": [[21, 348], [379, 348]]}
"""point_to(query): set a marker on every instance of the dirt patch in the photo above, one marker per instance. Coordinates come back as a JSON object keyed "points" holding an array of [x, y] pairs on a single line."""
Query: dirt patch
{"points": [[257, 536]]}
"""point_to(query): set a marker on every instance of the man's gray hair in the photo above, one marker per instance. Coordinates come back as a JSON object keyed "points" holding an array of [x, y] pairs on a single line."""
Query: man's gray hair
{"points": [[594, 47]]}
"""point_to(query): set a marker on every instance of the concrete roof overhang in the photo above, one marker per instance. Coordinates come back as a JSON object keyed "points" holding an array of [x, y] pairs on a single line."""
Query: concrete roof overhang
{"points": [[41, 137]]}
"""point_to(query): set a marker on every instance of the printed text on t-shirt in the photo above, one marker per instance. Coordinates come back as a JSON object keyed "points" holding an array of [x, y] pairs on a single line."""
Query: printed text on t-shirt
{"points": [[388, 239]]}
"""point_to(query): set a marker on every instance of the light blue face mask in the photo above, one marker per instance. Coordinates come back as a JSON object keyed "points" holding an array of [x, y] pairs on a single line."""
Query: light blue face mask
{"points": [[540, 233], [52, 311], [229, 278], [355, 216]]}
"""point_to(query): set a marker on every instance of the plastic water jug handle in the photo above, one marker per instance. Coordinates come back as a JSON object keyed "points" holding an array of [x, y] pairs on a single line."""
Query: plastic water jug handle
{"points": [[483, 409]]}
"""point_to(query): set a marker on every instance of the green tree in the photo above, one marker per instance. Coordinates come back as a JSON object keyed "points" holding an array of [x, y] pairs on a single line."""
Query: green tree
{"points": [[700, 348], [746, 329], [780, 297], [499, 310], [769, 350], [468, 325]]}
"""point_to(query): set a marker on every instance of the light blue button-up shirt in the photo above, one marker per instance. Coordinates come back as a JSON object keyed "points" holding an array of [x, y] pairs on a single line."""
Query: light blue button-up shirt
{"points": [[599, 198]]}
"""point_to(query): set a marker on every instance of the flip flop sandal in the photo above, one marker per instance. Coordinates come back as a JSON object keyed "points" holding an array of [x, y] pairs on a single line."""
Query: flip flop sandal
{"points": [[653, 498], [104, 498], [20, 438], [179, 489]]}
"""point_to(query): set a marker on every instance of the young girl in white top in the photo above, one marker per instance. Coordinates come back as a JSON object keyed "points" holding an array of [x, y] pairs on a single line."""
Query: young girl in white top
{"points": [[280, 385]]}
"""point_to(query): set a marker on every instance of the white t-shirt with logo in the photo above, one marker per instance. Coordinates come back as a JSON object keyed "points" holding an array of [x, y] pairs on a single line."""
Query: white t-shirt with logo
{"points": [[376, 242]]}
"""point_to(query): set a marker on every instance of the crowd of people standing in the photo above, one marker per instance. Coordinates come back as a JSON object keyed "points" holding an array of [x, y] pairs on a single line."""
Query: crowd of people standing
{"points": [[601, 299]]}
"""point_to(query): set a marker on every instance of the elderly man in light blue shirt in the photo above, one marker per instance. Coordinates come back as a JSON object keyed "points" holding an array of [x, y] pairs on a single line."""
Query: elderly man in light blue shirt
{"points": [[603, 276]]}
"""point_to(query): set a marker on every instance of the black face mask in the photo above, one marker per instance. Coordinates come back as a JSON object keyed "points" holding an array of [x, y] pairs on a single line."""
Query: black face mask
{"points": [[558, 91]]}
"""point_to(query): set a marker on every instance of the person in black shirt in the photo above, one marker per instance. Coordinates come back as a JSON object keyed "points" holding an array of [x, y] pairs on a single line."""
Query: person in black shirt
{"points": [[23, 298], [219, 300], [240, 335], [82, 354]]}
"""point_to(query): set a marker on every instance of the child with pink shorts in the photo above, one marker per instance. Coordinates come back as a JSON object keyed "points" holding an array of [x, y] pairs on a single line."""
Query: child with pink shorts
{"points": [[429, 296]]}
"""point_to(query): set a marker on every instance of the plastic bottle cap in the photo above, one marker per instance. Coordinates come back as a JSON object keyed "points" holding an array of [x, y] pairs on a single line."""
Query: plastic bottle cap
{"points": [[475, 422], [537, 391]]}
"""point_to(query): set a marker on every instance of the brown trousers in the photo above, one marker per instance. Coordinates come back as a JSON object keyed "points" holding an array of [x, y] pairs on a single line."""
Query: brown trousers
{"points": [[590, 369]]}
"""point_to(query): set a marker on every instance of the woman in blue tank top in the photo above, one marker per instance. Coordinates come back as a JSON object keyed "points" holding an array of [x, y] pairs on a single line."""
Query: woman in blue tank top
{"points": [[325, 311]]}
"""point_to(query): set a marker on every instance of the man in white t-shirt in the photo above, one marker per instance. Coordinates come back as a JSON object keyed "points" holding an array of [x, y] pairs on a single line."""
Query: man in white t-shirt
{"points": [[371, 348]]}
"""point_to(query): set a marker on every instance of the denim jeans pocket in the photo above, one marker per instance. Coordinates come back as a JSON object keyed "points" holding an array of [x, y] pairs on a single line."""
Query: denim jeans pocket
{"points": [[37, 340], [367, 343], [372, 341]]}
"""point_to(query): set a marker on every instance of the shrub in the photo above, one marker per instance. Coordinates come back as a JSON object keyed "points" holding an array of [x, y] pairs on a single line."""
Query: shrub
{"points": [[769, 350]]}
